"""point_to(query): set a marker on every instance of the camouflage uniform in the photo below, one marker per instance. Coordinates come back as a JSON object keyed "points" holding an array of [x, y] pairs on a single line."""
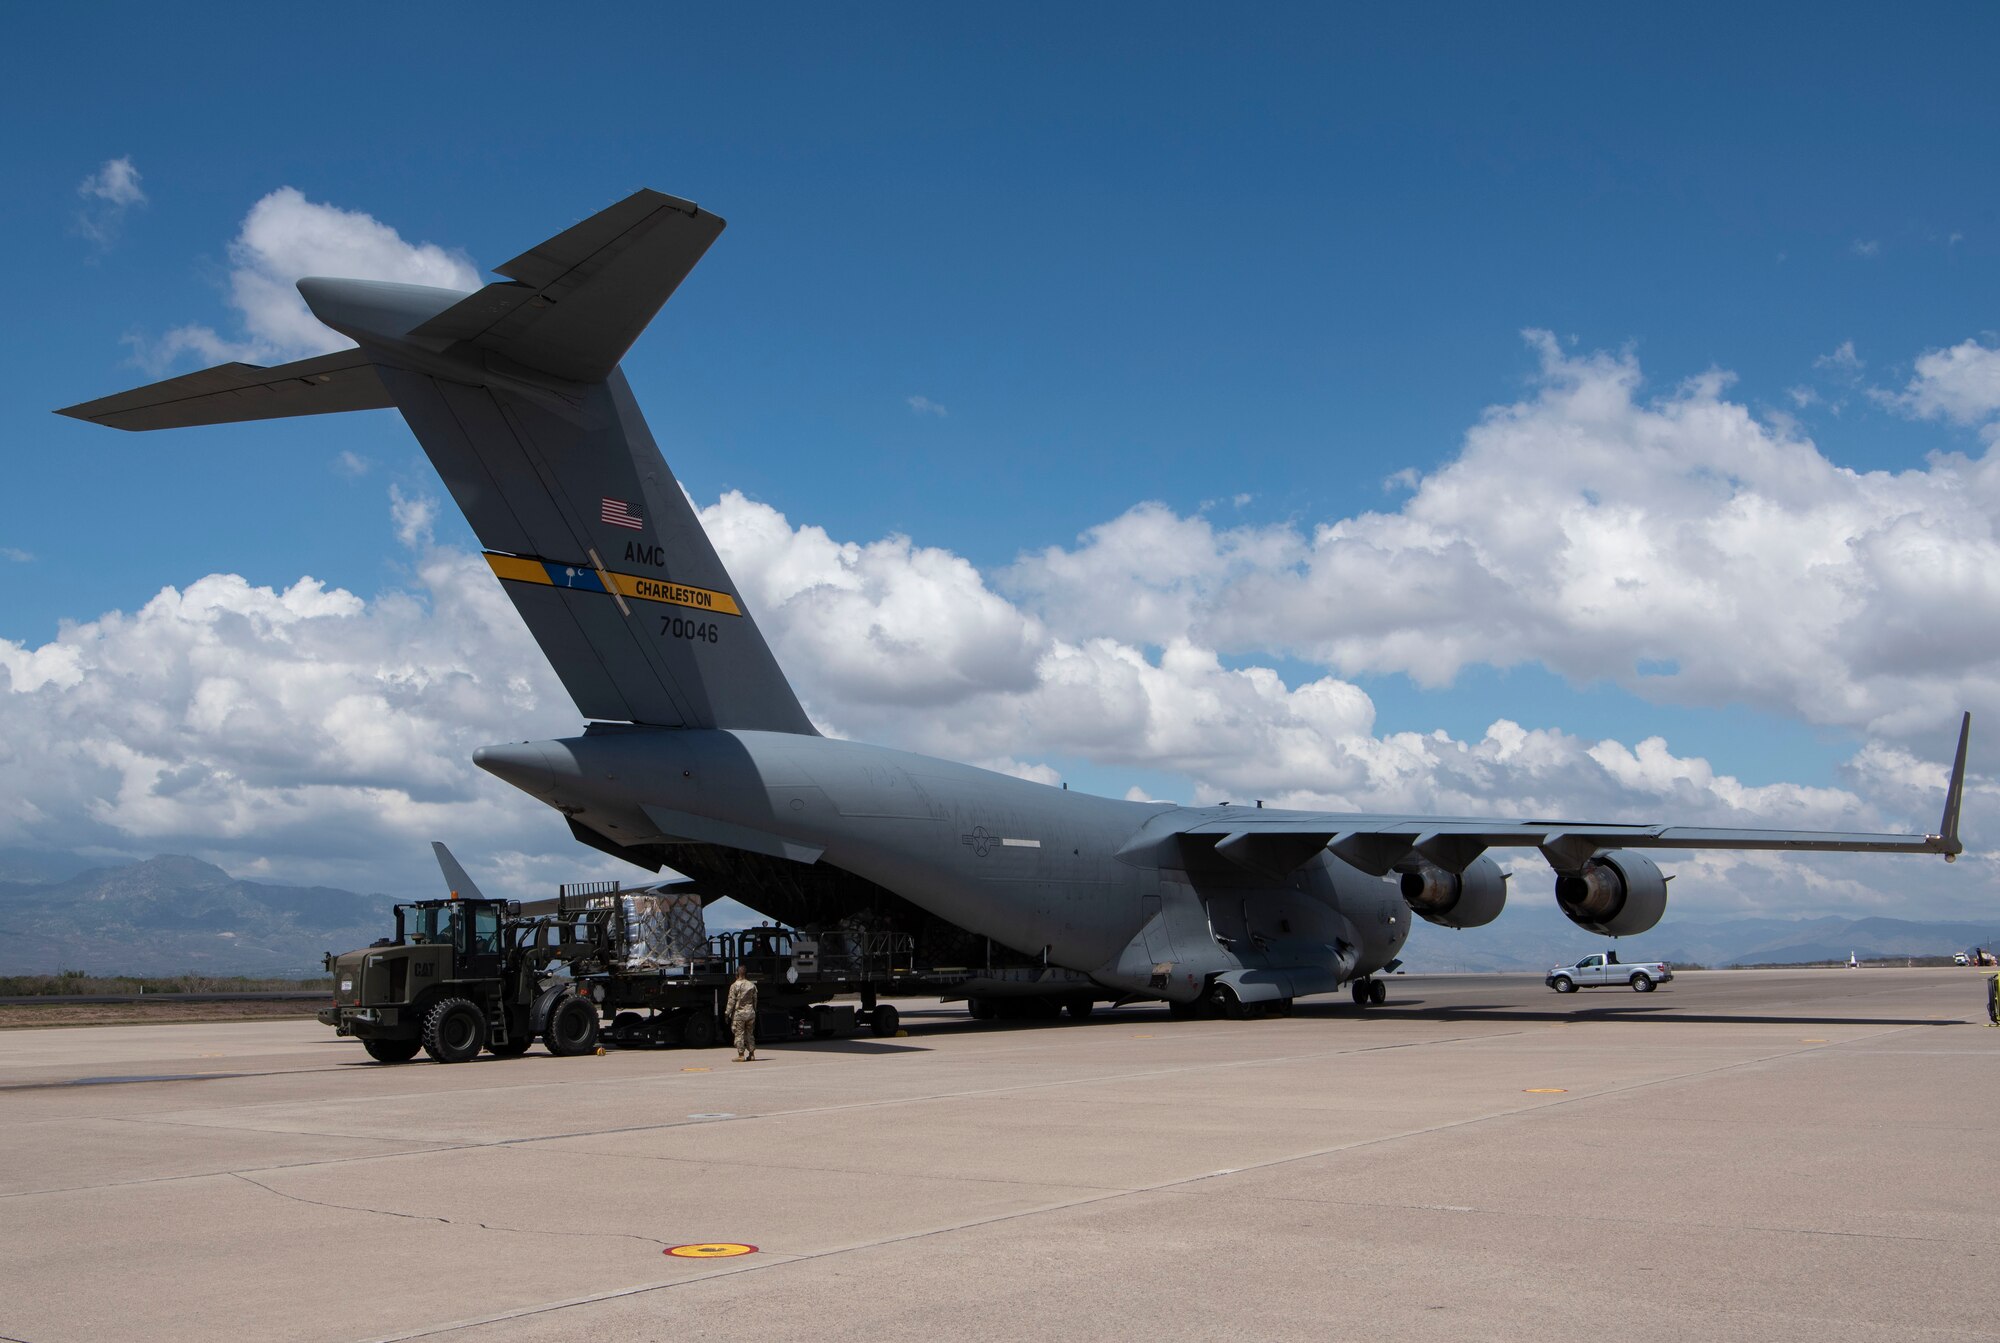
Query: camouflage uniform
{"points": [[742, 1009]]}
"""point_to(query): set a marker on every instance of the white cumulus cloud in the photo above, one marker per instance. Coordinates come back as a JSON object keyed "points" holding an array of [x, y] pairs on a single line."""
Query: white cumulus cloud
{"points": [[284, 238], [1961, 384], [1676, 545], [109, 194]]}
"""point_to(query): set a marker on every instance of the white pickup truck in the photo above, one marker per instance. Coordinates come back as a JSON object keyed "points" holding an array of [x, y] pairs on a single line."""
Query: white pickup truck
{"points": [[1597, 970]]}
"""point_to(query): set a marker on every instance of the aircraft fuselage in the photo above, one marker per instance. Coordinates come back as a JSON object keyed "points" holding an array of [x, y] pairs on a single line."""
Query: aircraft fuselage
{"points": [[1099, 885]]}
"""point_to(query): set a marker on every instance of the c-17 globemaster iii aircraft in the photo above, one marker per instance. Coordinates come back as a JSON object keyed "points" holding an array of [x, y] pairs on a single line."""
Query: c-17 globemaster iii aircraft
{"points": [[698, 756]]}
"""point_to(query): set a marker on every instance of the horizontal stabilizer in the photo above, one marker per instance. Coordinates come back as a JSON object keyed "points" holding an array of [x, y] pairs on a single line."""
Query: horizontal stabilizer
{"points": [[230, 393], [576, 303]]}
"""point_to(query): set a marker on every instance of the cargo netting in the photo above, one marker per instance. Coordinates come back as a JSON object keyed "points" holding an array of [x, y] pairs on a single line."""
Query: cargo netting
{"points": [[658, 931]]}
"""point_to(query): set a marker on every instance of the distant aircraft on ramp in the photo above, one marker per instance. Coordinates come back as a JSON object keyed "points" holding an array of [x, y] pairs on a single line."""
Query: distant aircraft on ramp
{"points": [[698, 756]]}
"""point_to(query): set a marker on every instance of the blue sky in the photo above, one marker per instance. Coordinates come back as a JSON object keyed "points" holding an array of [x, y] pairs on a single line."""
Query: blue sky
{"points": [[1250, 267]]}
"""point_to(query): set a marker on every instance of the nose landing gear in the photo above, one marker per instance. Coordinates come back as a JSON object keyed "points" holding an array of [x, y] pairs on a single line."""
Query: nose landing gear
{"points": [[1369, 992]]}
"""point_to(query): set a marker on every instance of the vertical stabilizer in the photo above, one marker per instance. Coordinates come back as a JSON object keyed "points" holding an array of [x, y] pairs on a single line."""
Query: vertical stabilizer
{"points": [[516, 395], [456, 880]]}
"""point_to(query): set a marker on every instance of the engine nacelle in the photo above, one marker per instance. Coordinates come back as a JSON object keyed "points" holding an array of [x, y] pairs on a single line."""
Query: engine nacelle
{"points": [[1616, 894], [1465, 899]]}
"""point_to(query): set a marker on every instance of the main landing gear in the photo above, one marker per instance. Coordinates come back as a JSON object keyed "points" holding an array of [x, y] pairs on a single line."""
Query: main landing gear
{"points": [[1369, 993]]}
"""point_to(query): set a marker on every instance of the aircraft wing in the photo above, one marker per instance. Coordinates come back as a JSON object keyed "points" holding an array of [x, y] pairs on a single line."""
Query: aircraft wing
{"points": [[1275, 842]]}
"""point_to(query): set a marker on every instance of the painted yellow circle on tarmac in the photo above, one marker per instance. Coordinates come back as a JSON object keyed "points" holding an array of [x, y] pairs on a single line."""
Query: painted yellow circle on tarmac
{"points": [[1546, 1091], [711, 1250]]}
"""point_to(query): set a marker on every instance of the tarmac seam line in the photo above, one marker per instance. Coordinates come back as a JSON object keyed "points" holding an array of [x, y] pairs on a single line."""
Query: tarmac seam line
{"points": [[1606, 1221], [843, 1170], [447, 1221], [435, 1148], [883, 1103]]}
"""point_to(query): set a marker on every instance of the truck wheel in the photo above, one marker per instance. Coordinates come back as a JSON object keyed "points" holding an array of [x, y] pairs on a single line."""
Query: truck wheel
{"points": [[572, 1028], [1565, 985], [454, 1031], [884, 1020], [392, 1051], [698, 1031], [1642, 984]]}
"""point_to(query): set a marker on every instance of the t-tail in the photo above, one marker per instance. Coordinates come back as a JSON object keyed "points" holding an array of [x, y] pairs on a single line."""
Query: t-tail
{"points": [[516, 395]]}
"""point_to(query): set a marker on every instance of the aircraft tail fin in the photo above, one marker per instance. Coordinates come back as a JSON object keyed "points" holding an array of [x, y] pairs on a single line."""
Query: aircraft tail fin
{"points": [[456, 880], [515, 394], [1954, 793]]}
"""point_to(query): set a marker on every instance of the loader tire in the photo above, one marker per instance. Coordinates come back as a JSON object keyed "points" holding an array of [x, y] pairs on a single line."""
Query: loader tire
{"points": [[454, 1030], [572, 1027]]}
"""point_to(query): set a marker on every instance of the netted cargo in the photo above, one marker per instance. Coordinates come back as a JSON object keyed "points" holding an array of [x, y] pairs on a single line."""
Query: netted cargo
{"points": [[659, 931]]}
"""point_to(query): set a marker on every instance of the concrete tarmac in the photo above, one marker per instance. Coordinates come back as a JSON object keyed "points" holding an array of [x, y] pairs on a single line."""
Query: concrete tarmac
{"points": [[1757, 1155]]}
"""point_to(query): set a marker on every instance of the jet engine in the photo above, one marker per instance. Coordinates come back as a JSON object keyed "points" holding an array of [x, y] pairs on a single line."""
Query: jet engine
{"points": [[1465, 899], [1616, 894]]}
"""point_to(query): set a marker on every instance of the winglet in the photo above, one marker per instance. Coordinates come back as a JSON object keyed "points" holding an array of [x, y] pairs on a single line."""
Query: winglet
{"points": [[1954, 795], [461, 886]]}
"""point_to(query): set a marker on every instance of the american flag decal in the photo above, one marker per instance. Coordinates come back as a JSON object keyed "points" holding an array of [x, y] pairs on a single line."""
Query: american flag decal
{"points": [[619, 514]]}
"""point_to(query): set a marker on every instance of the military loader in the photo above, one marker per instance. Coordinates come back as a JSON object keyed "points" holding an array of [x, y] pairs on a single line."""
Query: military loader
{"points": [[467, 974]]}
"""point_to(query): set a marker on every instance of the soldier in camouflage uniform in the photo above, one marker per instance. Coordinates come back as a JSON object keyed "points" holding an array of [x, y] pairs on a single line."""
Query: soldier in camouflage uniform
{"points": [[742, 1010]]}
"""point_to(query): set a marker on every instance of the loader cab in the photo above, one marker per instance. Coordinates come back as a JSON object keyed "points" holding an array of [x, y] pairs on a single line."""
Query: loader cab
{"points": [[470, 928]]}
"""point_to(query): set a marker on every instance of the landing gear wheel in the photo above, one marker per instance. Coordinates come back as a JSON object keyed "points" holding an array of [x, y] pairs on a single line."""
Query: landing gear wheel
{"points": [[1378, 993], [454, 1031], [1360, 991], [698, 1031], [1181, 1011], [1641, 984], [981, 1009], [884, 1021], [392, 1051], [1079, 1008], [1227, 1004], [572, 1027]]}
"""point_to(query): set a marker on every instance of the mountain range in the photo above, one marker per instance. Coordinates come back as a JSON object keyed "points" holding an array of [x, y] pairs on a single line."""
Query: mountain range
{"points": [[173, 915]]}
